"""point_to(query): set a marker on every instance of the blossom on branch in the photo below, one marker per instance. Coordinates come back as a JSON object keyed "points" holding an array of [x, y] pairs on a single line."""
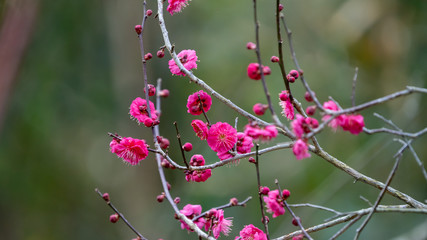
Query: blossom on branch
{"points": [[221, 137], [286, 104], [274, 203], [196, 101], [250, 232], [200, 128], [255, 73], [176, 5], [188, 58], [198, 175], [139, 110], [191, 211], [219, 223], [353, 123], [300, 149], [258, 133], [131, 150], [334, 124]]}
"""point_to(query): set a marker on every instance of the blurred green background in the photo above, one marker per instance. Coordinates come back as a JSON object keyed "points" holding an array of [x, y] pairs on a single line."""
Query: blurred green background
{"points": [[81, 69]]}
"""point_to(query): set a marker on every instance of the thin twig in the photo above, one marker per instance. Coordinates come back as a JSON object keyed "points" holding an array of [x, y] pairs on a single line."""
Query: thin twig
{"points": [[347, 226], [121, 215], [240, 204], [297, 219], [353, 92], [261, 204], [315, 206], [178, 136], [261, 67], [377, 202]]}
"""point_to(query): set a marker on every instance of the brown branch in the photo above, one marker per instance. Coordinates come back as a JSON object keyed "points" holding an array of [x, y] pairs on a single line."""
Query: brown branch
{"points": [[228, 205], [261, 204]]}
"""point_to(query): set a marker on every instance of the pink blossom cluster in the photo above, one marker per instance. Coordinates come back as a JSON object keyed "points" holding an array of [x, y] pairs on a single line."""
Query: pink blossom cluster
{"points": [[198, 175], [200, 128], [353, 123], [188, 58], [300, 126], [221, 137], [214, 220], [250, 232], [254, 71], [274, 203], [196, 101], [176, 5], [259, 133], [139, 111], [131, 150], [243, 145], [286, 104]]}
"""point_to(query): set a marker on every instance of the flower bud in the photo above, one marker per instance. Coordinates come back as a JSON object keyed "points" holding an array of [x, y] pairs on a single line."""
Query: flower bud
{"points": [[280, 7], [177, 200], [106, 197], [164, 143], [274, 59], [148, 122], [148, 56], [138, 29], [151, 90], [114, 218], [161, 197], [252, 160], [187, 147], [264, 190], [259, 109], [308, 97], [160, 53], [164, 93], [234, 201], [149, 12], [286, 194], [294, 73], [310, 110], [266, 70], [250, 45], [295, 221]]}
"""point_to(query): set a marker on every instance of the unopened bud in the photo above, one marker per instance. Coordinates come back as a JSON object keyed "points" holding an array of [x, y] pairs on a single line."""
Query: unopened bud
{"points": [[264, 190], [177, 200], [164, 93], [106, 197], [149, 12], [160, 197], [114, 218], [274, 59], [310, 110], [160, 53], [250, 45], [148, 56], [286, 194], [138, 29], [295, 221], [187, 147], [308, 97], [280, 7], [234, 202], [252, 160]]}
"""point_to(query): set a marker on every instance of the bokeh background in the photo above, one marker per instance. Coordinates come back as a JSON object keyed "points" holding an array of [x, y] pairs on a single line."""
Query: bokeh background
{"points": [[69, 70]]}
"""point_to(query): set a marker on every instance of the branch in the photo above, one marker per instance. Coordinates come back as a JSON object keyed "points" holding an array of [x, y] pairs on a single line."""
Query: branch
{"points": [[241, 204]]}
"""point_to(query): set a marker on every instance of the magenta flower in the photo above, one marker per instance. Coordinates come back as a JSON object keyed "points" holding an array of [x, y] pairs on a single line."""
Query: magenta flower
{"points": [[200, 128], [274, 203], [131, 150], [198, 175], [353, 123], [220, 224], [188, 58], [176, 5], [191, 211], [263, 134], [255, 73], [297, 126], [331, 105], [259, 109], [300, 149], [250, 232], [244, 143], [224, 155], [288, 108], [193, 103], [221, 137], [139, 110]]}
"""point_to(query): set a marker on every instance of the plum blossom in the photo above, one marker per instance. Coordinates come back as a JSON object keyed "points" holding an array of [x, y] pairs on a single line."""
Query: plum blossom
{"points": [[286, 104], [139, 110], [274, 203], [188, 58], [334, 124], [244, 143], [255, 73], [258, 133], [353, 123], [193, 103], [200, 128], [220, 224], [176, 5], [300, 149], [221, 137], [191, 211], [250, 232], [198, 175], [131, 150]]}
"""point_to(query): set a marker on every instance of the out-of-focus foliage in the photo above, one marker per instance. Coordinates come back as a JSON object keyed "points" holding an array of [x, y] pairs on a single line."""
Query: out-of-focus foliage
{"points": [[82, 70]]}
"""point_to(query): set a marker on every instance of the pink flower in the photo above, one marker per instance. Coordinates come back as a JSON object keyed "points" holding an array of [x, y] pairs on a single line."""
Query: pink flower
{"points": [[288, 108], [131, 150], [353, 123], [220, 224], [193, 103], [221, 137], [263, 134], [176, 5], [331, 105], [198, 175], [200, 128], [300, 149], [255, 73], [188, 58], [191, 211], [139, 110], [297, 126], [259, 109], [224, 155], [244, 143], [250, 232], [274, 203]]}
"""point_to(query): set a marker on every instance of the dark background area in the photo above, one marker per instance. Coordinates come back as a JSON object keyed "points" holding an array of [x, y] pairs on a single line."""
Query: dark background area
{"points": [[80, 69]]}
